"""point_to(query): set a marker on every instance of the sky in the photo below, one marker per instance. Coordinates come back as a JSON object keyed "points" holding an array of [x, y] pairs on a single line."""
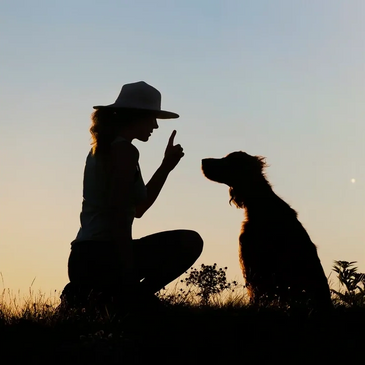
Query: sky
{"points": [[283, 79]]}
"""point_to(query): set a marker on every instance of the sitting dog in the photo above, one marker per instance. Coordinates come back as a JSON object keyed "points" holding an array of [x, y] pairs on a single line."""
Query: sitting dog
{"points": [[279, 261]]}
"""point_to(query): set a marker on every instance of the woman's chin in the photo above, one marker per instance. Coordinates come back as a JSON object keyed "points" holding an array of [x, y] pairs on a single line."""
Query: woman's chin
{"points": [[144, 138]]}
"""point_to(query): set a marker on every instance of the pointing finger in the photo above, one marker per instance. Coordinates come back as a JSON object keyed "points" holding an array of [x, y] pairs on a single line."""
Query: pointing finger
{"points": [[171, 139]]}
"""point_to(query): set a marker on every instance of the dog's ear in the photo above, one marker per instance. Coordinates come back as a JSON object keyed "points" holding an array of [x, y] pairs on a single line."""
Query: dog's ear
{"points": [[234, 199]]}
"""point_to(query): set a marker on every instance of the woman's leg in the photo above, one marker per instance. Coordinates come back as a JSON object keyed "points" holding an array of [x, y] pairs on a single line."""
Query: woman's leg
{"points": [[93, 267], [162, 257]]}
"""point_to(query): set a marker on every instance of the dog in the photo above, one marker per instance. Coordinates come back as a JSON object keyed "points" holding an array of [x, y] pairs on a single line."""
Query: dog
{"points": [[279, 261]]}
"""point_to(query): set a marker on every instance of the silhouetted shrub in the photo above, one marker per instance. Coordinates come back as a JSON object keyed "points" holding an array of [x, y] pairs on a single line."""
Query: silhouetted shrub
{"points": [[353, 283], [208, 281]]}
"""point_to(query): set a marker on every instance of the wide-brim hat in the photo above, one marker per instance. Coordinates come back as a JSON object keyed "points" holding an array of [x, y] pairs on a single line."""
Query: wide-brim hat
{"points": [[140, 96]]}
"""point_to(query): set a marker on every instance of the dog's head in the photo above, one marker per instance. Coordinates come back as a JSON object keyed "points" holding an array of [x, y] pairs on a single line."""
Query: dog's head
{"points": [[238, 170]]}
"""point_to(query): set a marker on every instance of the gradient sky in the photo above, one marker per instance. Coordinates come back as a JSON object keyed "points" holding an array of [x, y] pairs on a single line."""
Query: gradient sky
{"points": [[284, 79]]}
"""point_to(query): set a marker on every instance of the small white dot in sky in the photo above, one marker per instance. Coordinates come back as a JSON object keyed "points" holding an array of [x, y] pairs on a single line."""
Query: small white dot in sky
{"points": [[353, 181]]}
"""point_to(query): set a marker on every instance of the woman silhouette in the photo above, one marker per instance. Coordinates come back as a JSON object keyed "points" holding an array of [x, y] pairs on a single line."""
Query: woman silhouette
{"points": [[104, 258]]}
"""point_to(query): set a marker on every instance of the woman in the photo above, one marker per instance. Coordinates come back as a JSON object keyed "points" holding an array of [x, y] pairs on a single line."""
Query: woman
{"points": [[104, 258]]}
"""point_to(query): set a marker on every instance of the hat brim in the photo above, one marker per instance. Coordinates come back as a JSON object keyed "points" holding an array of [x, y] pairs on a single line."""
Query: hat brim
{"points": [[160, 114]]}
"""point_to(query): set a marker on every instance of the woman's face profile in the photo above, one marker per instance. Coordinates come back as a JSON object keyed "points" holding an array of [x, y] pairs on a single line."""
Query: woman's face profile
{"points": [[144, 127]]}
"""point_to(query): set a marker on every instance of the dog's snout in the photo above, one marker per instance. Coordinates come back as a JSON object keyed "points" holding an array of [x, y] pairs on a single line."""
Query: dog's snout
{"points": [[206, 163], [211, 170]]}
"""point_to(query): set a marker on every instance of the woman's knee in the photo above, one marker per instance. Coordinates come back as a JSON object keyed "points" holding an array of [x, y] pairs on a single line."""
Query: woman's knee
{"points": [[192, 241]]}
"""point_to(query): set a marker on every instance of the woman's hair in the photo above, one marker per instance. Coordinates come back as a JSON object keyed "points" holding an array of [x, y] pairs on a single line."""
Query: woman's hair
{"points": [[106, 123]]}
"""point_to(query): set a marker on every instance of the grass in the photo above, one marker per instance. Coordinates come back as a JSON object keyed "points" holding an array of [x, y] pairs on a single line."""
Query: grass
{"points": [[203, 324]]}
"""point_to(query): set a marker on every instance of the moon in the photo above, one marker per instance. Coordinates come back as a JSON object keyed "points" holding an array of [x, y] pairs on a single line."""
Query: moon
{"points": [[353, 181]]}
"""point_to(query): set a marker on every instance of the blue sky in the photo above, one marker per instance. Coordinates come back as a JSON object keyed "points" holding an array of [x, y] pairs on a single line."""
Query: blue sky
{"points": [[284, 79]]}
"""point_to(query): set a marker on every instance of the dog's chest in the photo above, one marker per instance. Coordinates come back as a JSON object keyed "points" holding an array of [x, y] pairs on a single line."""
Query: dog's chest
{"points": [[257, 239]]}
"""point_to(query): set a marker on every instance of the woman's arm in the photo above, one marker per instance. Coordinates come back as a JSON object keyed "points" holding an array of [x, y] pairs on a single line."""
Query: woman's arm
{"points": [[173, 155], [153, 187]]}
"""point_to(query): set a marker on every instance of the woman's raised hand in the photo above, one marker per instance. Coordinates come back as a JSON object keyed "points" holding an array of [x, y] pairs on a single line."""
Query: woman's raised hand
{"points": [[173, 153]]}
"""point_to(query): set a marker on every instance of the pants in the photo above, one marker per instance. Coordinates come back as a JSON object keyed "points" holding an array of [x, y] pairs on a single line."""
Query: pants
{"points": [[159, 259]]}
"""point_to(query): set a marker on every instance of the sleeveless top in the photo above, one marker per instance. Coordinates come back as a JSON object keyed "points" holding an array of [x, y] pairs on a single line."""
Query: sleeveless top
{"points": [[95, 216]]}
